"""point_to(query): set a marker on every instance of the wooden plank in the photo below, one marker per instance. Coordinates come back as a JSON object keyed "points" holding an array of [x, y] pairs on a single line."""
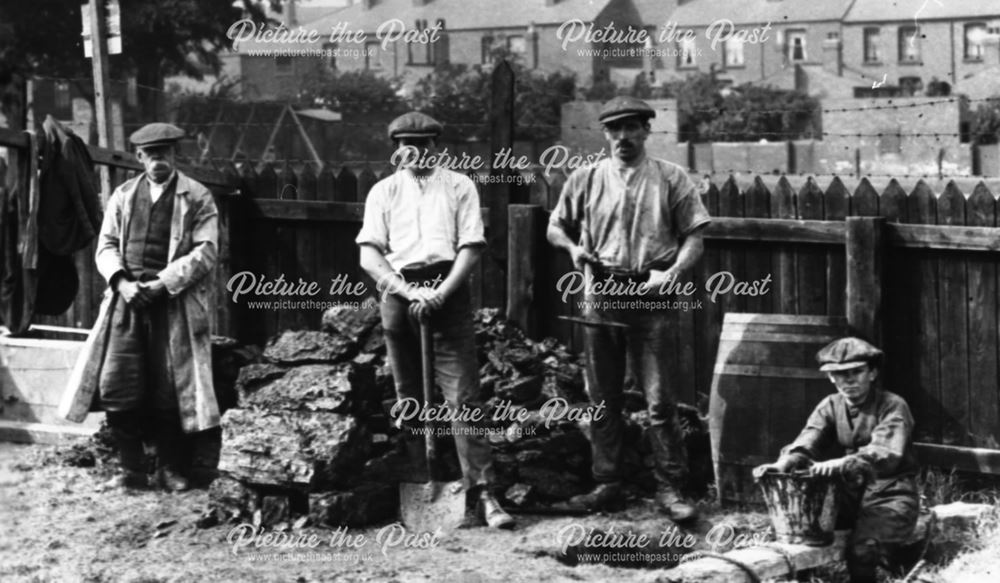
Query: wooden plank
{"points": [[947, 457], [316, 210], [783, 207], [921, 208], [47, 433], [289, 262], [758, 253], [306, 242], [708, 321], [746, 318], [898, 302], [524, 241], [776, 230], [984, 322], [812, 261], [732, 258], [944, 237], [864, 202], [836, 207], [777, 372], [266, 243], [864, 277], [13, 138], [952, 331]]}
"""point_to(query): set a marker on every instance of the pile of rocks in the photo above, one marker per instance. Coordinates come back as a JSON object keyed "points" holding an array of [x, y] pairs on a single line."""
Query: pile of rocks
{"points": [[310, 434]]}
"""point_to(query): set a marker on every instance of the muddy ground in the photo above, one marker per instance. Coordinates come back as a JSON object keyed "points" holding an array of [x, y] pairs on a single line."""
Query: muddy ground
{"points": [[57, 523]]}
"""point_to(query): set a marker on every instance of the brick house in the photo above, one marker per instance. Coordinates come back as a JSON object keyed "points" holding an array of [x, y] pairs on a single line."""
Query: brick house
{"points": [[908, 43], [467, 33]]}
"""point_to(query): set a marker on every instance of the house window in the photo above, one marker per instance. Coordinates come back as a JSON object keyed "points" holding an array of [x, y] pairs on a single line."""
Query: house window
{"points": [[873, 45], [796, 40], [686, 50], [373, 55], [62, 95], [330, 52], [419, 53], [441, 49], [283, 65], [516, 45], [975, 34], [909, 44], [486, 50], [910, 86], [732, 52]]}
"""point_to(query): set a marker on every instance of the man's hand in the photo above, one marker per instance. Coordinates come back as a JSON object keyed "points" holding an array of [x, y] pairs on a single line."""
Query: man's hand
{"points": [[658, 280], [778, 467], [422, 302], [154, 288], [830, 468], [133, 293], [581, 256]]}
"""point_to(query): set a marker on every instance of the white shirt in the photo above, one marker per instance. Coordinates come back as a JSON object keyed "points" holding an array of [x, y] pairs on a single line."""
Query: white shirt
{"points": [[156, 190], [416, 221]]}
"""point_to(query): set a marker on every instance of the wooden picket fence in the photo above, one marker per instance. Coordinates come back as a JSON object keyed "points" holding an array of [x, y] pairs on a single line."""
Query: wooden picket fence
{"points": [[931, 299]]}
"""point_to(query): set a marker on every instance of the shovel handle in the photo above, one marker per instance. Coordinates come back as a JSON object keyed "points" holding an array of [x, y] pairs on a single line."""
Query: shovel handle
{"points": [[427, 368]]}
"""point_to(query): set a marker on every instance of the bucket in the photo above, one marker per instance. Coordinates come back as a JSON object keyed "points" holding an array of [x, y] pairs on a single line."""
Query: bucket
{"points": [[802, 508]]}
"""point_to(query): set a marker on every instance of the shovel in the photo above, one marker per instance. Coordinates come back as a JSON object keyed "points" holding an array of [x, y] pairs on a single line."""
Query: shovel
{"points": [[437, 504]]}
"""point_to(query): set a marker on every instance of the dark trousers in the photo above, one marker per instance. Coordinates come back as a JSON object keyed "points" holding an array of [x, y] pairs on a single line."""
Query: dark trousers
{"points": [[137, 384], [456, 370], [883, 515], [607, 350], [137, 372]]}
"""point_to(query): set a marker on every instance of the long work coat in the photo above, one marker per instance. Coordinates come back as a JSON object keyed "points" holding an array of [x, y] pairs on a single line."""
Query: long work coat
{"points": [[188, 277]]}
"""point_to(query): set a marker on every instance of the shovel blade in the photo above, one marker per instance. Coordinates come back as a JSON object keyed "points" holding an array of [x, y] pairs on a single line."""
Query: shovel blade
{"points": [[430, 506]]}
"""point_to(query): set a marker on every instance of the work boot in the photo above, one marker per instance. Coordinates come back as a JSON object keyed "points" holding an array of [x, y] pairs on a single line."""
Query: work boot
{"points": [[125, 429], [671, 504], [169, 441], [605, 496], [483, 509], [494, 515]]}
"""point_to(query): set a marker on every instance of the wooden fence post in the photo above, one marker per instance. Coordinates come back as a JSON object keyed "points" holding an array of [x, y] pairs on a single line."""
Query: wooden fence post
{"points": [[525, 242], [499, 192], [865, 249]]}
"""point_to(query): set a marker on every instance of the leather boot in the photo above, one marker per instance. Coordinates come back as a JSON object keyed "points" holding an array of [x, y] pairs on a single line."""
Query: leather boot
{"points": [[605, 496], [125, 428], [169, 444], [674, 506]]}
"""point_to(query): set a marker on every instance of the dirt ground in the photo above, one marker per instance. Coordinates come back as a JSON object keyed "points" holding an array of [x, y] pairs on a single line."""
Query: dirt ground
{"points": [[57, 523]]}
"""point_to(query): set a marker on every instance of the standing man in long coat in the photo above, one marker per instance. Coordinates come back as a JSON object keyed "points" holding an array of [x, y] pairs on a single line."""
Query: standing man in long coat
{"points": [[157, 251]]}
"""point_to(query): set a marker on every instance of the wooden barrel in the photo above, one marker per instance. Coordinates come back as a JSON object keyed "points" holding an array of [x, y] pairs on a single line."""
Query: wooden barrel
{"points": [[765, 384]]}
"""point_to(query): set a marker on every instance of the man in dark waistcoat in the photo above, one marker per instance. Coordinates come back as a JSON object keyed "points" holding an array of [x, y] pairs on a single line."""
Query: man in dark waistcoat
{"points": [[157, 249]]}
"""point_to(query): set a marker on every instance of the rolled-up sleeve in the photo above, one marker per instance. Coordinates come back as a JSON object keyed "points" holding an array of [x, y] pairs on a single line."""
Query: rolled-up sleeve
{"points": [[568, 214], [687, 210], [374, 230], [470, 219]]}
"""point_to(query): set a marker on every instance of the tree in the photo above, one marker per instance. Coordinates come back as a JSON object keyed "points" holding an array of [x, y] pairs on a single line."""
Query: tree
{"points": [[462, 95], [986, 123], [750, 113], [159, 38], [351, 92]]}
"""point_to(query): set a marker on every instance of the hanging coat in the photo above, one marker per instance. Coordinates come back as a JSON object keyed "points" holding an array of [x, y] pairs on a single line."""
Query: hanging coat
{"points": [[188, 278]]}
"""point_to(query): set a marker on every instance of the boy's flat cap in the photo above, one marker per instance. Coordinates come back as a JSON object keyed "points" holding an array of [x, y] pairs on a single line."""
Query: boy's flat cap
{"points": [[848, 353], [623, 106]]}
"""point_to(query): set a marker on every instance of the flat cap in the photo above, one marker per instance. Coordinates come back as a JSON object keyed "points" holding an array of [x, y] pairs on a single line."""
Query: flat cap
{"points": [[623, 106], [414, 125], [848, 353], [154, 134]]}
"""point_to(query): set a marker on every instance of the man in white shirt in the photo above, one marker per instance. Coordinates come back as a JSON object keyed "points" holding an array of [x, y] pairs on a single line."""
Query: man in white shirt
{"points": [[422, 234]]}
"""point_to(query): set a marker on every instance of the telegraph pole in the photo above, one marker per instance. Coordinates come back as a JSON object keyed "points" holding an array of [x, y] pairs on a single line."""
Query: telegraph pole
{"points": [[96, 17]]}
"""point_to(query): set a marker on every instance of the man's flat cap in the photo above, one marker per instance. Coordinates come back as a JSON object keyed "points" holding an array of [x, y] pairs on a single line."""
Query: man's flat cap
{"points": [[848, 353], [155, 134], [414, 125], [624, 106]]}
